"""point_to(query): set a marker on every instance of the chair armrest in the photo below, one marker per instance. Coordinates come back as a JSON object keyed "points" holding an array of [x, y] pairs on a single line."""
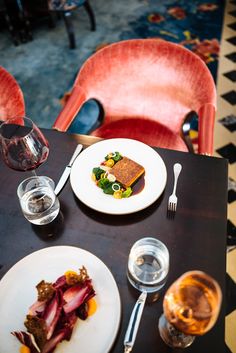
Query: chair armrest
{"points": [[70, 110], [206, 115]]}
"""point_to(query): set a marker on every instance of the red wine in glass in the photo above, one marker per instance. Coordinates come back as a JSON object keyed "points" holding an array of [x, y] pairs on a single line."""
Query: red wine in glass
{"points": [[23, 145]]}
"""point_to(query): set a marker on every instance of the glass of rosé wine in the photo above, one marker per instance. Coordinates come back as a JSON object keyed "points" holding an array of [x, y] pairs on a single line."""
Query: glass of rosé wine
{"points": [[191, 307]]}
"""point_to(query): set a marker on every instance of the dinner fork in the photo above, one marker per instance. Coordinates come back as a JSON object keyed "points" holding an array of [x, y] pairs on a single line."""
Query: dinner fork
{"points": [[172, 202]]}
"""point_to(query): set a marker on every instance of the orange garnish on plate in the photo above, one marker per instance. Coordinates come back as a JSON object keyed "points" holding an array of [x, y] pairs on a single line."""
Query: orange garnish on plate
{"points": [[92, 306], [72, 277], [24, 349]]}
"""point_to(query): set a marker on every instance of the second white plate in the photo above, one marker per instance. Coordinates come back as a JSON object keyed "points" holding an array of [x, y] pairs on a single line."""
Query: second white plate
{"points": [[87, 191], [17, 292]]}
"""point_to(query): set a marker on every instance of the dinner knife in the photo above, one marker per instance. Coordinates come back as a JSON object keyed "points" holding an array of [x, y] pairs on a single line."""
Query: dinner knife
{"points": [[65, 175], [134, 322]]}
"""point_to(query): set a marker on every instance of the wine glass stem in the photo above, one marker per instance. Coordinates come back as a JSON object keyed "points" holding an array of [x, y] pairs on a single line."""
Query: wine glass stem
{"points": [[34, 172]]}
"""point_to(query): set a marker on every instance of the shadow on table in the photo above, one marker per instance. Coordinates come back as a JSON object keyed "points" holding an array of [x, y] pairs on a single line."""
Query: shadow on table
{"points": [[52, 230], [124, 219]]}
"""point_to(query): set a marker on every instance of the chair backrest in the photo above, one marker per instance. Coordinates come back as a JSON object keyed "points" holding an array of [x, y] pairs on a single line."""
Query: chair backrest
{"points": [[146, 78], [11, 97]]}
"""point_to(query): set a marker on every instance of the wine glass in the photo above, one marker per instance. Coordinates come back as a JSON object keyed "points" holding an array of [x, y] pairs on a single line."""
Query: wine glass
{"points": [[23, 145], [24, 148], [191, 307]]}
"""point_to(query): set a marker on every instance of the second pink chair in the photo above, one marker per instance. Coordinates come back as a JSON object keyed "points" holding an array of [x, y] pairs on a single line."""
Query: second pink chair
{"points": [[11, 97]]}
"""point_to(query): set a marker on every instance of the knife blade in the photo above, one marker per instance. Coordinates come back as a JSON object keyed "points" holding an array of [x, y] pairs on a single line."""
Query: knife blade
{"points": [[65, 175]]}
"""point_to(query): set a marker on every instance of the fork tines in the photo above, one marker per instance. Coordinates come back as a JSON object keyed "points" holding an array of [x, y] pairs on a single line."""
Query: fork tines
{"points": [[172, 206], [171, 212]]}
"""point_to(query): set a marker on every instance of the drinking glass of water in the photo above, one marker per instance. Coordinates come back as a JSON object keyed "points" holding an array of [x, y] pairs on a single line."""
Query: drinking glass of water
{"points": [[148, 265], [37, 199]]}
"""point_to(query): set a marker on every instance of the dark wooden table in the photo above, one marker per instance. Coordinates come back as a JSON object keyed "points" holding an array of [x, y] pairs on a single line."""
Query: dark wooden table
{"points": [[196, 237]]}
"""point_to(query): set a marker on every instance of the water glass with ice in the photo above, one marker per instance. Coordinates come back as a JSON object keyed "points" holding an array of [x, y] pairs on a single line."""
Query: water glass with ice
{"points": [[37, 199]]}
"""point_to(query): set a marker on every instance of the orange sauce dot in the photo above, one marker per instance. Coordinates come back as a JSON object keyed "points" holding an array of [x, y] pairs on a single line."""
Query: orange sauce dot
{"points": [[70, 272], [92, 306], [24, 349], [71, 277]]}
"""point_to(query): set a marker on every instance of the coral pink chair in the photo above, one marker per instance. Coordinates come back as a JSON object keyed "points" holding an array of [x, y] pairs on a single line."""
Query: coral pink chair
{"points": [[146, 88], [11, 97]]}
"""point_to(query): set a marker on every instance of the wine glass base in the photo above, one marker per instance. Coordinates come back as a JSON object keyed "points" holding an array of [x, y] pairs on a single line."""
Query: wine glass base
{"points": [[171, 336]]}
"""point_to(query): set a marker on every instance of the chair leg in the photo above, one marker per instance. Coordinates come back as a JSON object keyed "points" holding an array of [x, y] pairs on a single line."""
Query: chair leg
{"points": [[90, 12], [186, 126], [51, 19], [25, 31], [11, 29], [69, 28]]}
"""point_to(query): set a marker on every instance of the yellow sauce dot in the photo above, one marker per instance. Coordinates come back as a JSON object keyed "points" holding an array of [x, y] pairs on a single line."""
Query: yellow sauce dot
{"points": [[70, 272], [117, 194], [93, 177], [72, 277], [24, 349], [110, 163], [92, 306]]}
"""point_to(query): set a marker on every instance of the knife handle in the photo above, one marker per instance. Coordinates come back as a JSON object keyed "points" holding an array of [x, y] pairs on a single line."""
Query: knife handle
{"points": [[134, 321], [75, 154]]}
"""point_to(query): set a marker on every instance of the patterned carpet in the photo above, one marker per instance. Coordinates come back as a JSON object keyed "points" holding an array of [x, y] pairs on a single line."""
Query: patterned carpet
{"points": [[46, 68]]}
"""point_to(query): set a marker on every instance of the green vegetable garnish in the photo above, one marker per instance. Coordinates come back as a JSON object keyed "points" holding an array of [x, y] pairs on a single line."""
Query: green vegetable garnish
{"points": [[108, 190], [101, 176], [106, 186], [127, 192], [116, 156], [104, 183], [98, 172]]}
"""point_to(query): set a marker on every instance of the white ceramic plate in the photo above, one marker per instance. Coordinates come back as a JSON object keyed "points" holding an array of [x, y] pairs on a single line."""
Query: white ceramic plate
{"points": [[91, 195], [17, 292]]}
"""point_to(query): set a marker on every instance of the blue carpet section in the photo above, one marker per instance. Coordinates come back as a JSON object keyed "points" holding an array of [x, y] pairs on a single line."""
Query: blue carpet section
{"points": [[195, 24], [46, 68]]}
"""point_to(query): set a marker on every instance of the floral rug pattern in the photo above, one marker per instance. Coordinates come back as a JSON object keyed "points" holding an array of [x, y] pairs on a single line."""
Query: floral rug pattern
{"points": [[195, 24]]}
